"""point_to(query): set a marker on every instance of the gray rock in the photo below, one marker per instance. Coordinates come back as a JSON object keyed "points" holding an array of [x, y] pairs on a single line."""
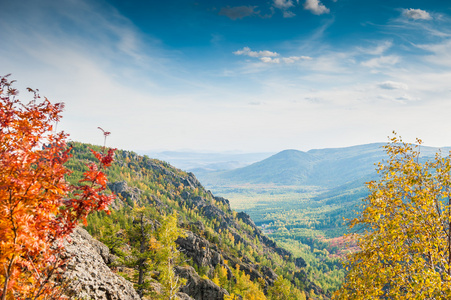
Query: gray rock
{"points": [[269, 275], [246, 219], [199, 202], [88, 274], [121, 188], [223, 201], [199, 288], [198, 249], [183, 296]]}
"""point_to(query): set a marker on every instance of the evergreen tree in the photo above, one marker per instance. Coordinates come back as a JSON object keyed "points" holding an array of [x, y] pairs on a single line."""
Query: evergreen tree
{"points": [[140, 236]]}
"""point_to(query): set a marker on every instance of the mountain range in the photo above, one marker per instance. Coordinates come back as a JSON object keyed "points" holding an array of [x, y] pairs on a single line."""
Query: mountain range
{"points": [[324, 168], [204, 162]]}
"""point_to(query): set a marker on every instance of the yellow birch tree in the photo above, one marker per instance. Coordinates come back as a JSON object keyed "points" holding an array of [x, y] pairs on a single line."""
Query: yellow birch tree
{"points": [[404, 230]]}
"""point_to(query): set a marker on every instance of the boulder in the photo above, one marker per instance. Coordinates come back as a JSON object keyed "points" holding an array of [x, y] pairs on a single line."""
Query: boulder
{"points": [[87, 273], [183, 296], [199, 288]]}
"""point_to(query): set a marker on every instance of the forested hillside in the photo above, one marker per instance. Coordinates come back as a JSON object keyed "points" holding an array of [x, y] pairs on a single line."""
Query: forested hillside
{"points": [[302, 199], [161, 210]]}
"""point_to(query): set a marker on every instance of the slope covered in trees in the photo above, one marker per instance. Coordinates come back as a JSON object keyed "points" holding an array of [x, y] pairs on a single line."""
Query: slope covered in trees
{"points": [[304, 197], [220, 250]]}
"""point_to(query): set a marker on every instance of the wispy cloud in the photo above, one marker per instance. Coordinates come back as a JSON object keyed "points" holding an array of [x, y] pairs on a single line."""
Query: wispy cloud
{"points": [[379, 49], [283, 4], [293, 59], [381, 62], [238, 12], [392, 85], [106, 69], [416, 14], [440, 54], [405, 98], [248, 52], [270, 60], [288, 14], [93, 59], [316, 7], [267, 56]]}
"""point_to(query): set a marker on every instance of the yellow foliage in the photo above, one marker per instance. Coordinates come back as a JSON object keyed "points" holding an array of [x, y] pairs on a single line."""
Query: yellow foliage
{"points": [[404, 230], [283, 290], [231, 297], [246, 288]]}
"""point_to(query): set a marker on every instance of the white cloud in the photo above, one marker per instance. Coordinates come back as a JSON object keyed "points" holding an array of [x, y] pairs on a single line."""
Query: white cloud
{"points": [[316, 7], [288, 14], [270, 60], [392, 85], [283, 4], [382, 61], [404, 98], [248, 52], [96, 62], [331, 100], [270, 57], [440, 54], [293, 59], [377, 50], [417, 14]]}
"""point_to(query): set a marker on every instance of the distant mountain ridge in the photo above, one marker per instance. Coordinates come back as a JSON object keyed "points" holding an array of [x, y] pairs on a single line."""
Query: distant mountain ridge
{"points": [[208, 162], [327, 168]]}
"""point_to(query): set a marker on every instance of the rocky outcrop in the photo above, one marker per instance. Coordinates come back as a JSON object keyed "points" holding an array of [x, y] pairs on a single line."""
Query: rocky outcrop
{"points": [[224, 201], [122, 189], [191, 181], [300, 262], [199, 288], [246, 219], [126, 193], [88, 275], [164, 169], [199, 250], [183, 296], [269, 274]]}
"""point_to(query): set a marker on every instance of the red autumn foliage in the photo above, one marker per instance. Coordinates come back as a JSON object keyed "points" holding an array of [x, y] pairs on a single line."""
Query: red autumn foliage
{"points": [[38, 208]]}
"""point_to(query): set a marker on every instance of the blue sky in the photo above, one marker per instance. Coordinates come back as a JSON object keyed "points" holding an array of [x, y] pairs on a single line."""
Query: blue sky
{"points": [[236, 75]]}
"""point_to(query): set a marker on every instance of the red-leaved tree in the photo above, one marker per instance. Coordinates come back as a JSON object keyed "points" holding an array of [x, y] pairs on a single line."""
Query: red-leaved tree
{"points": [[38, 208]]}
